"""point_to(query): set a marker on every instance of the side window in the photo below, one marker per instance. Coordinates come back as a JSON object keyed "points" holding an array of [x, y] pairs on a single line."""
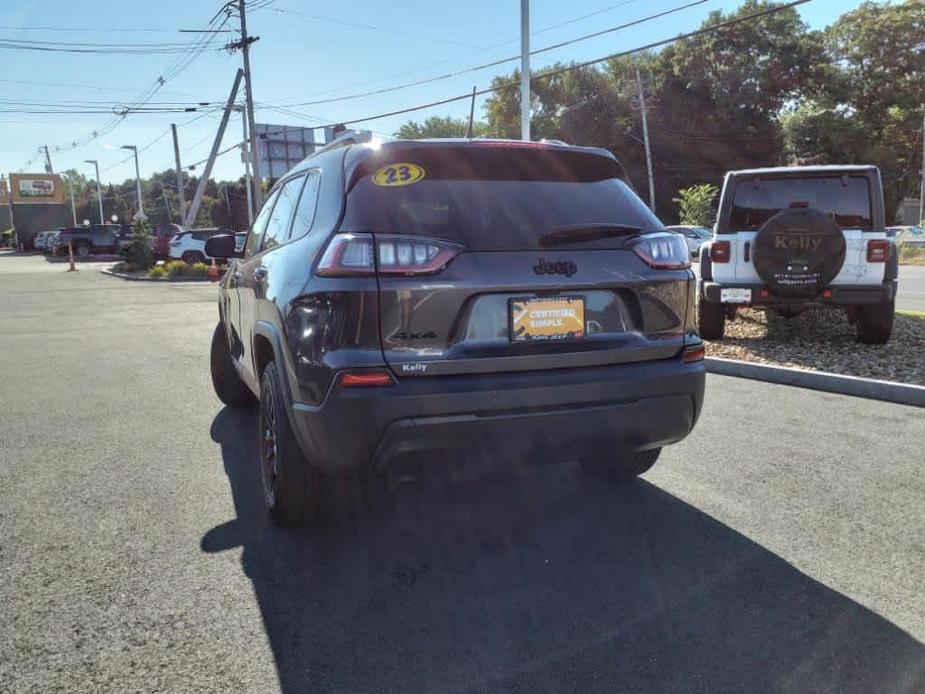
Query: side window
{"points": [[277, 230], [305, 212], [252, 245]]}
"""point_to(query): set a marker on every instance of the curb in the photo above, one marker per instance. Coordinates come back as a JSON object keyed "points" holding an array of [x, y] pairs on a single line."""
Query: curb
{"points": [[133, 278], [887, 391]]}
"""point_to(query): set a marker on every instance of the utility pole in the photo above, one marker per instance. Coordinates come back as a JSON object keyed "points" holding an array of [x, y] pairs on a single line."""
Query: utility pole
{"points": [[246, 41], [181, 196], [245, 157], [48, 166], [645, 135], [524, 69], [207, 171]]}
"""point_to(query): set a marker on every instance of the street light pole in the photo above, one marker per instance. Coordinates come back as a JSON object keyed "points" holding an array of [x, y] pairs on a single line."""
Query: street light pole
{"points": [[524, 69], [99, 188], [140, 214]]}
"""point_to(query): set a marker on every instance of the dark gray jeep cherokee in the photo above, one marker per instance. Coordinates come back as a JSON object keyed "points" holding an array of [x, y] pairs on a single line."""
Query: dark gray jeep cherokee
{"points": [[513, 300]]}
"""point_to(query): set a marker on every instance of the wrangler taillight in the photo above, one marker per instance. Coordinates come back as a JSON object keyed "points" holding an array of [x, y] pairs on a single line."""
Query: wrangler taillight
{"points": [[352, 255], [878, 250], [720, 252]]}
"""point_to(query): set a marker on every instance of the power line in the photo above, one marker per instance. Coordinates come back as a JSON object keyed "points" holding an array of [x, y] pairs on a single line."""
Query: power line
{"points": [[495, 63], [487, 49], [371, 27], [577, 66], [172, 72]]}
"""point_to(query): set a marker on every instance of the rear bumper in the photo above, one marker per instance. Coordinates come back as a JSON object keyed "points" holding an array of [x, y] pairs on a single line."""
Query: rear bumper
{"points": [[840, 295], [552, 415]]}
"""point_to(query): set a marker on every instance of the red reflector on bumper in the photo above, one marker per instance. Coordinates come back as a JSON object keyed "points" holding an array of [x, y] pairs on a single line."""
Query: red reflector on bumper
{"points": [[827, 294], [365, 379], [692, 354]]}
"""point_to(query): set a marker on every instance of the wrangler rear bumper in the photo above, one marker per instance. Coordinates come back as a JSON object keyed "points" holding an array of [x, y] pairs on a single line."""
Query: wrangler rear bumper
{"points": [[839, 295]]}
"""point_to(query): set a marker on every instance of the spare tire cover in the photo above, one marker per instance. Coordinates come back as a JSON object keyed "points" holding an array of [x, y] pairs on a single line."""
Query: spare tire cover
{"points": [[798, 252]]}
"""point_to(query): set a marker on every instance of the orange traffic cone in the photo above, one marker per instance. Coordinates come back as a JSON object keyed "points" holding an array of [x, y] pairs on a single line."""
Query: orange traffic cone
{"points": [[213, 270], [70, 256]]}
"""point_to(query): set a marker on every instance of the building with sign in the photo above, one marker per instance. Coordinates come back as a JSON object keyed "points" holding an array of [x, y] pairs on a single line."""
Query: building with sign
{"points": [[36, 204]]}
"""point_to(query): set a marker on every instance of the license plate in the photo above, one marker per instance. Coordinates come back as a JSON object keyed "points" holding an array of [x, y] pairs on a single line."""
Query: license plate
{"points": [[538, 319], [735, 296]]}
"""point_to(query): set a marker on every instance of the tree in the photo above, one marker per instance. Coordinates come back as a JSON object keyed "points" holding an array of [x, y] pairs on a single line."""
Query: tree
{"points": [[696, 203], [439, 126], [139, 254]]}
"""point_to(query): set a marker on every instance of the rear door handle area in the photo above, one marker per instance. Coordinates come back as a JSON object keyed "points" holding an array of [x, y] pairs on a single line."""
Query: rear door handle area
{"points": [[747, 251]]}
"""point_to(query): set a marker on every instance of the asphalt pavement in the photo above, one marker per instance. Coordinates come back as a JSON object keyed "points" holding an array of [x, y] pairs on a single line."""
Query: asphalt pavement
{"points": [[778, 548]]}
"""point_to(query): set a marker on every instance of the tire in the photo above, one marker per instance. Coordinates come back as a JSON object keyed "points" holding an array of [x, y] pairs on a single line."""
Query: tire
{"points": [[875, 323], [228, 386], [627, 467], [292, 491], [192, 257], [82, 250], [711, 320]]}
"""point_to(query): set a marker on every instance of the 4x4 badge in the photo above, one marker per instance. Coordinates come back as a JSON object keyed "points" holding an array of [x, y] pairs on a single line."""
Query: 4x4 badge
{"points": [[560, 267]]}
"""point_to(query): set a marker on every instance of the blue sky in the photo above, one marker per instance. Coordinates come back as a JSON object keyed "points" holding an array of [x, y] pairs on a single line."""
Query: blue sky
{"points": [[343, 48]]}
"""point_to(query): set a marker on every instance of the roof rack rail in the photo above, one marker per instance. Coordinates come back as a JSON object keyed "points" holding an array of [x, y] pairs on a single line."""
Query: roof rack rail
{"points": [[346, 137]]}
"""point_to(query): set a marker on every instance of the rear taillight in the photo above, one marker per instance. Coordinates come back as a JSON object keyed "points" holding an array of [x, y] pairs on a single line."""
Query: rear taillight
{"points": [[720, 252], [694, 353], [351, 255], [878, 250], [365, 379], [665, 251]]}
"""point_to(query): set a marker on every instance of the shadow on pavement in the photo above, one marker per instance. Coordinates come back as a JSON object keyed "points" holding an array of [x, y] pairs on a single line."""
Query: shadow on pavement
{"points": [[543, 581]]}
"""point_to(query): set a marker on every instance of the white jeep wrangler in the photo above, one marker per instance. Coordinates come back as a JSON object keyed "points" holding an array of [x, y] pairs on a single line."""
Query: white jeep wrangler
{"points": [[791, 238]]}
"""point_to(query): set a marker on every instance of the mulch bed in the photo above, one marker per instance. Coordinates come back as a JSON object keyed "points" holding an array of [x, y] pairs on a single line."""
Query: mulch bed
{"points": [[824, 340]]}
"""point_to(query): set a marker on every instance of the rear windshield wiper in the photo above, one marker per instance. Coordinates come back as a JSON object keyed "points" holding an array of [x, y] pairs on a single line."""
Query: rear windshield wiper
{"points": [[576, 233]]}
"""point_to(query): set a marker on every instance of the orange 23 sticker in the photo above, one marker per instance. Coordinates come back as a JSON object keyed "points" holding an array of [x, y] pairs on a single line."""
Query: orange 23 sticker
{"points": [[398, 174]]}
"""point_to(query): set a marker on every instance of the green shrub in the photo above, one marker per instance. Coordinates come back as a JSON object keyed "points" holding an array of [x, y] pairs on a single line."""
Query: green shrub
{"points": [[139, 253], [199, 270], [696, 205], [176, 268], [157, 272]]}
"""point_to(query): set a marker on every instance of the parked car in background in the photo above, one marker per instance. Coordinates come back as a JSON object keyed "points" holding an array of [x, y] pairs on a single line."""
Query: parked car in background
{"points": [[51, 241], [96, 238], [161, 235], [694, 236], [190, 246], [792, 238], [908, 235], [39, 242], [126, 234]]}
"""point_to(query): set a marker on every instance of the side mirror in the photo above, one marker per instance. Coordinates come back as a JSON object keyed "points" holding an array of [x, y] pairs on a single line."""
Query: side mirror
{"points": [[221, 246]]}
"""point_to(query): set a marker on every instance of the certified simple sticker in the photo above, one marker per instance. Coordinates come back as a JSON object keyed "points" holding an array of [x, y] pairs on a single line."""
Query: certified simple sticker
{"points": [[400, 174]]}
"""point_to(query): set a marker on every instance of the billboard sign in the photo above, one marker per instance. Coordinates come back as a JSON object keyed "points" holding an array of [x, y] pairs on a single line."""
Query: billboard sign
{"points": [[280, 147], [36, 188], [31, 188]]}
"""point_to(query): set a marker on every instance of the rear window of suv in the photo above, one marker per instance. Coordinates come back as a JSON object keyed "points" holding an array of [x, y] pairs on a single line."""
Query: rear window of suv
{"points": [[493, 197], [846, 199]]}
